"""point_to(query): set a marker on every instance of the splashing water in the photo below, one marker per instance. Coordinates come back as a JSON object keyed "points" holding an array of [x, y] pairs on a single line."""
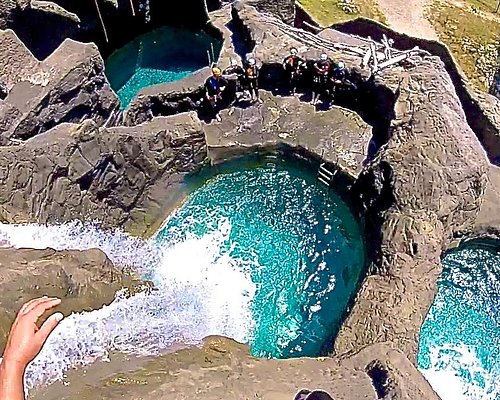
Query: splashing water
{"points": [[308, 248], [459, 350], [190, 302], [263, 255]]}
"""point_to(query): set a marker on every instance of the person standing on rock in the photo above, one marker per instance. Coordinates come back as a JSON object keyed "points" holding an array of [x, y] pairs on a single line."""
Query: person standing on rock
{"points": [[24, 343], [321, 73], [251, 78], [214, 87], [340, 79], [292, 64], [235, 70]]}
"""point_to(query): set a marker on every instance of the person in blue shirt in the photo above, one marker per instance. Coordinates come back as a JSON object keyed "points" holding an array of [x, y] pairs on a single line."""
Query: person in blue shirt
{"points": [[214, 88]]}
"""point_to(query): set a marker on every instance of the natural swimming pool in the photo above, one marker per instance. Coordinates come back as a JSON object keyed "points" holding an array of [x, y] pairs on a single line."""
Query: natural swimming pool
{"points": [[299, 244], [459, 350], [259, 252], [164, 55]]}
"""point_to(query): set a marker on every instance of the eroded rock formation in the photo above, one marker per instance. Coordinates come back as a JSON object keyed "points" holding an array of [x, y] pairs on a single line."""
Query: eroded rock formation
{"points": [[123, 177], [68, 86], [84, 280], [427, 181]]}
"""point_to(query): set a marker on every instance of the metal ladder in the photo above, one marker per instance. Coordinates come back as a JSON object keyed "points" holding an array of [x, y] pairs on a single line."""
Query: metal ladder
{"points": [[325, 176], [271, 158]]}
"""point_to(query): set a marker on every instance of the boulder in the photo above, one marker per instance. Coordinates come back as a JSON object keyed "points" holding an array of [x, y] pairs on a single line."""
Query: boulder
{"points": [[84, 280], [122, 177], [223, 368], [68, 86]]}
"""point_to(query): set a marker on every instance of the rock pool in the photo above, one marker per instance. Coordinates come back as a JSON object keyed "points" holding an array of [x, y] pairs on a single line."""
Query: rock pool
{"points": [[164, 55], [459, 349]]}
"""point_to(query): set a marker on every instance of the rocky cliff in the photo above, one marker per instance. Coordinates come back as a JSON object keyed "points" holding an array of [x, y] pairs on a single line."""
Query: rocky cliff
{"points": [[123, 177], [425, 181], [84, 280], [68, 86], [44, 25]]}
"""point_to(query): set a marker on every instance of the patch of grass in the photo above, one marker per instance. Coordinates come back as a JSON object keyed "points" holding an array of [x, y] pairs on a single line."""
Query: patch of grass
{"points": [[328, 12], [474, 41], [488, 6]]}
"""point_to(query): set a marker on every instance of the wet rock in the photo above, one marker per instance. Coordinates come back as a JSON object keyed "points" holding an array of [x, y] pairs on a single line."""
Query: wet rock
{"points": [[123, 177], [223, 368], [84, 280], [68, 86]]}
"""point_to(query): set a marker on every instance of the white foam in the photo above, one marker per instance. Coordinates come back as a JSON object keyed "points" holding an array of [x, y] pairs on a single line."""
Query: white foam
{"points": [[443, 374], [201, 290]]}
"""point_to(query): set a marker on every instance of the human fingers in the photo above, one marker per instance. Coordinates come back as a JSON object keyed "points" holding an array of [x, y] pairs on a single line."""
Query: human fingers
{"points": [[28, 304], [47, 327], [38, 309], [37, 302]]}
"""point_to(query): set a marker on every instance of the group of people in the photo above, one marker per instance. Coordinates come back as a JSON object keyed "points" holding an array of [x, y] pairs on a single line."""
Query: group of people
{"points": [[246, 84], [325, 77]]}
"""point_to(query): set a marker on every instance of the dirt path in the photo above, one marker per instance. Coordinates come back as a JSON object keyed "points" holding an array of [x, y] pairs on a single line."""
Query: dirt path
{"points": [[407, 16]]}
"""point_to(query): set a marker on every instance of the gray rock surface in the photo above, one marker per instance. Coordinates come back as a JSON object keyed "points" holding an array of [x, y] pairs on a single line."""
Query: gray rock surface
{"points": [[68, 86], [223, 369], [123, 177], [427, 183], [338, 136], [488, 220], [84, 280]]}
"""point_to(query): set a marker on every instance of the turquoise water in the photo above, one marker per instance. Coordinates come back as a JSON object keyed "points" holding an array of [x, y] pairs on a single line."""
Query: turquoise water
{"points": [[164, 55], [299, 243], [460, 338]]}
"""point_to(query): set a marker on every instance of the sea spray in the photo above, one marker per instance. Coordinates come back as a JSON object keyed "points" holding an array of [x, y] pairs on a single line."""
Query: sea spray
{"points": [[459, 351], [264, 255], [187, 304]]}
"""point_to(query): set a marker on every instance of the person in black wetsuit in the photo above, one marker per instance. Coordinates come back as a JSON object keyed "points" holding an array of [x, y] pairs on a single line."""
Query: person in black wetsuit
{"points": [[340, 79], [251, 78], [214, 88], [292, 65], [320, 75], [235, 70]]}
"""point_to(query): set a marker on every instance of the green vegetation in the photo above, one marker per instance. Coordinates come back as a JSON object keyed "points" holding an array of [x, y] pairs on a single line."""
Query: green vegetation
{"points": [[328, 12], [488, 6], [472, 38]]}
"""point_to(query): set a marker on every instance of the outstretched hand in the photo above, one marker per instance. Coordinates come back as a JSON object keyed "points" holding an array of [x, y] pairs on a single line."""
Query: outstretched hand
{"points": [[25, 338]]}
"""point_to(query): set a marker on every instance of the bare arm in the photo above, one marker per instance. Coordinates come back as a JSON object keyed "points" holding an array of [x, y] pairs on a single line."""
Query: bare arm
{"points": [[24, 343]]}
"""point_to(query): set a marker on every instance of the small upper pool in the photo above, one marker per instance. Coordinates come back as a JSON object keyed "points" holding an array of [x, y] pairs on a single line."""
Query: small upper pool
{"points": [[164, 55], [298, 242], [459, 351]]}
